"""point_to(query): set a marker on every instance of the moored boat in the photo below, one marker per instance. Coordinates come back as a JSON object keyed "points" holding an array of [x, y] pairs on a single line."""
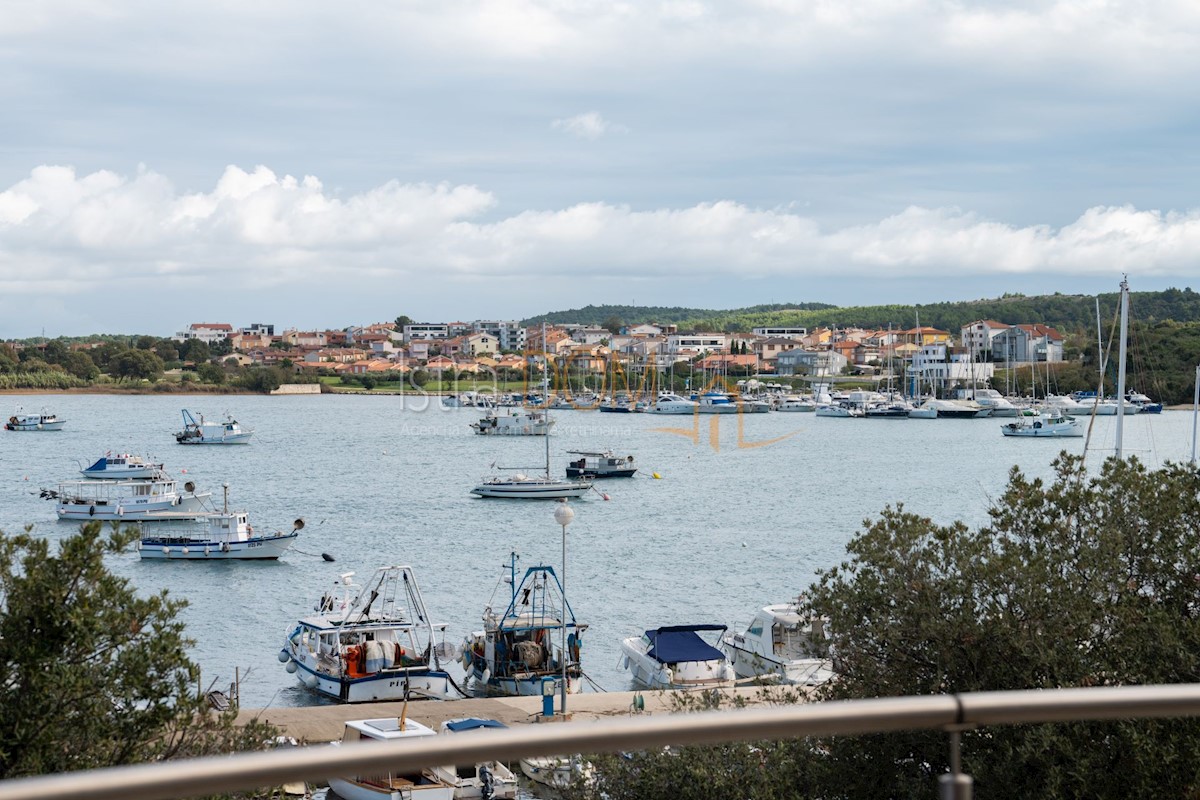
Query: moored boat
{"points": [[129, 500], [41, 421], [513, 422], [482, 781], [122, 466], [676, 657], [414, 784], [518, 651], [225, 536], [667, 403], [1049, 425], [197, 430], [370, 645], [781, 644], [603, 464]]}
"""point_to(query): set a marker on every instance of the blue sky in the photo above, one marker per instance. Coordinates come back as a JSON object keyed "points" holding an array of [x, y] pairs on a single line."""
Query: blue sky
{"points": [[315, 164]]}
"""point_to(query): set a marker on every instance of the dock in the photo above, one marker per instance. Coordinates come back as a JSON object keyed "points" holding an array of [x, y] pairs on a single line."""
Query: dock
{"points": [[325, 723]]}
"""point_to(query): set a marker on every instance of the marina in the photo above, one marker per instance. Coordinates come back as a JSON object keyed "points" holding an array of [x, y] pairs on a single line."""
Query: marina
{"points": [[753, 505]]}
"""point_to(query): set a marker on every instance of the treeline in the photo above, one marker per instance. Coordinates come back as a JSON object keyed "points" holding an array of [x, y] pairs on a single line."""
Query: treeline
{"points": [[665, 315], [122, 360]]}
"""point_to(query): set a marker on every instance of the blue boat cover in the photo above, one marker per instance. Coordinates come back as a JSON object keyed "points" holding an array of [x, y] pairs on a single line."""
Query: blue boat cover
{"points": [[678, 643], [102, 463], [472, 724]]}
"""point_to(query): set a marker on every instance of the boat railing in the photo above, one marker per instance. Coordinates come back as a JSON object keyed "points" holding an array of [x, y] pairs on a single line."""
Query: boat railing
{"points": [[949, 713]]}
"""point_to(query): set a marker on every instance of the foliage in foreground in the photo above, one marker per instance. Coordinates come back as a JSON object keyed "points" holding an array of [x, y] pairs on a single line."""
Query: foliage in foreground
{"points": [[1080, 581], [94, 675]]}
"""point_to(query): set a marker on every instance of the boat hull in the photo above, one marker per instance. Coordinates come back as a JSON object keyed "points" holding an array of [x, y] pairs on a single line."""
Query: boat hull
{"points": [[174, 549], [35, 426], [420, 683], [239, 438], [801, 672], [135, 508], [354, 790], [577, 472], [531, 492]]}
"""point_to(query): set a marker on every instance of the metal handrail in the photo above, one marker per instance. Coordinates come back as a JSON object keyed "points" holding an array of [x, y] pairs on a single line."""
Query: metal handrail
{"points": [[203, 776]]}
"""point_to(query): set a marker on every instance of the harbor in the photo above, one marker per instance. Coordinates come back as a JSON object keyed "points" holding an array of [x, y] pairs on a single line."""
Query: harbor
{"points": [[745, 512]]}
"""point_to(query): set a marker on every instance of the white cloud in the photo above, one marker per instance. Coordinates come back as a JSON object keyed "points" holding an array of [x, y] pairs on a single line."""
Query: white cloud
{"points": [[97, 232], [589, 125]]}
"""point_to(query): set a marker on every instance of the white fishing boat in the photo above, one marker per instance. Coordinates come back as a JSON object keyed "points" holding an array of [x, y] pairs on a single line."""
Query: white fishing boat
{"points": [[677, 657], [1049, 424], [603, 464], [667, 403], [225, 536], [781, 644], [122, 466], [423, 784], [129, 500], [483, 781], [514, 422], [954, 409], [197, 430], [370, 644], [522, 648], [41, 421]]}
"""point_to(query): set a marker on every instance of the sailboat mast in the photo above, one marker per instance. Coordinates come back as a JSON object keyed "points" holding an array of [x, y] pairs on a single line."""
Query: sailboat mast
{"points": [[546, 394], [1121, 366]]}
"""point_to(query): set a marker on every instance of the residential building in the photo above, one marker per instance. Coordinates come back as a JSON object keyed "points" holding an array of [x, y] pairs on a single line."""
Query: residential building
{"points": [[820, 363], [941, 365], [207, 332], [770, 348], [478, 343], [781, 333], [1028, 343], [426, 331], [979, 335], [697, 342], [510, 333]]}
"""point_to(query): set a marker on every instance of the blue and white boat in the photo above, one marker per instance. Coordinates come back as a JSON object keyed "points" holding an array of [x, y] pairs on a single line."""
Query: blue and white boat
{"points": [[226, 535], [370, 644], [518, 650], [676, 657], [122, 466], [157, 498]]}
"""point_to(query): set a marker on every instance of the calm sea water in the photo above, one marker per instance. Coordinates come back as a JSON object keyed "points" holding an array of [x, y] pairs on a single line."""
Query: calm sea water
{"points": [[743, 515]]}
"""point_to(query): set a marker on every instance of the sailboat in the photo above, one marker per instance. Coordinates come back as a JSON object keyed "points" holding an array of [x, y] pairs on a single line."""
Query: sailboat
{"points": [[521, 486]]}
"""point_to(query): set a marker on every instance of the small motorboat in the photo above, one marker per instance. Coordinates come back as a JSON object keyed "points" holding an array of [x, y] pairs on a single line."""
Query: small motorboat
{"points": [[127, 500], [122, 466], [477, 781], [197, 430], [557, 772], [423, 784], [677, 657], [1049, 425], [41, 421], [780, 645], [513, 422], [605, 464]]}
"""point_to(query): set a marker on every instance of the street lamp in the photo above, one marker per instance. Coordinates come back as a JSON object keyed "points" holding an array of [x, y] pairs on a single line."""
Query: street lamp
{"points": [[563, 515]]}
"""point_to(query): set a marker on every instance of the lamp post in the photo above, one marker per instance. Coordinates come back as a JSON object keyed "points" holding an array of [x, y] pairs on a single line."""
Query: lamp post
{"points": [[563, 515]]}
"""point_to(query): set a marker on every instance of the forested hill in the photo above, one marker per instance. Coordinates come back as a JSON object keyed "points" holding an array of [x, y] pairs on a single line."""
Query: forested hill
{"points": [[1063, 311]]}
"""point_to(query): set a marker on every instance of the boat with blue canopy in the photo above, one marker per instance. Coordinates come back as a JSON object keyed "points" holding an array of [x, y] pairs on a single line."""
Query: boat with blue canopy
{"points": [[677, 657]]}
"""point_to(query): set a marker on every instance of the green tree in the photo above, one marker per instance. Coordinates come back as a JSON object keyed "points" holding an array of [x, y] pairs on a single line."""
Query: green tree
{"points": [[403, 320], [194, 350], [94, 674], [263, 379], [613, 324], [137, 365], [80, 364], [1084, 580], [212, 373]]}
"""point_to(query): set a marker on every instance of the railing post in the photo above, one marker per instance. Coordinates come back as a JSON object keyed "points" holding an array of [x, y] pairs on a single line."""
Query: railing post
{"points": [[955, 785]]}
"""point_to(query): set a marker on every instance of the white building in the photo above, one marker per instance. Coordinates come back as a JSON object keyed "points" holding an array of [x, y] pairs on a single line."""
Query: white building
{"points": [[978, 336], [697, 342], [425, 331], [207, 332], [509, 333], [781, 333], [941, 366]]}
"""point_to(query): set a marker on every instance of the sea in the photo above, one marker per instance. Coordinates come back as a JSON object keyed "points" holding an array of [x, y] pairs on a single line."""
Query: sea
{"points": [[726, 513]]}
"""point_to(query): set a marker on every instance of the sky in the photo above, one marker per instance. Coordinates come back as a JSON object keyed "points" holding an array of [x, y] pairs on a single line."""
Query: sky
{"points": [[320, 165]]}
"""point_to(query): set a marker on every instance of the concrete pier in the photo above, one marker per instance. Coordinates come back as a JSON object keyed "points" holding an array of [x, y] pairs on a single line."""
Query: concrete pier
{"points": [[326, 722]]}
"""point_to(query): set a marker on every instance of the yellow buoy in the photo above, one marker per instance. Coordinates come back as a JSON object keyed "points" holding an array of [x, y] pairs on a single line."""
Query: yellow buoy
{"points": [[656, 476]]}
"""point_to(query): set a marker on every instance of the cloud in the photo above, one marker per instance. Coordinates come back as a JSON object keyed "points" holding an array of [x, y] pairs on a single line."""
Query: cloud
{"points": [[61, 232], [589, 125]]}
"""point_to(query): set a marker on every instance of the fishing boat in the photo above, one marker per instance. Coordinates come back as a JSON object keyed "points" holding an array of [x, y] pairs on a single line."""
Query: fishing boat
{"points": [[122, 466], [677, 657], [481, 781], [1050, 424], [414, 784], [370, 643], [781, 644], [41, 421], [604, 464], [197, 430], [129, 500], [225, 536], [522, 648], [513, 422]]}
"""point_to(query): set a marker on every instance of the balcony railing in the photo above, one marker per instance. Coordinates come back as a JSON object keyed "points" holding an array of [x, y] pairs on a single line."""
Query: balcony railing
{"points": [[952, 713]]}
